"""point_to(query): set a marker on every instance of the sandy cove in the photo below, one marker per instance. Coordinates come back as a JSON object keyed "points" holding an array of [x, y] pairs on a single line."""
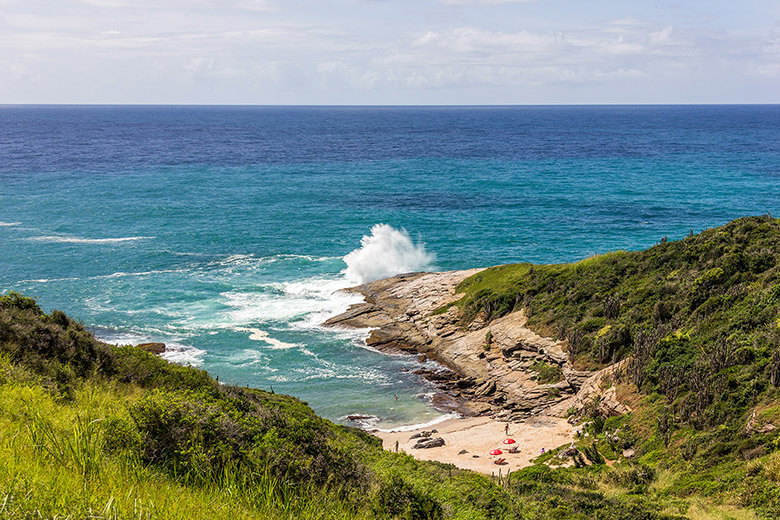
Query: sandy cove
{"points": [[486, 375], [480, 435]]}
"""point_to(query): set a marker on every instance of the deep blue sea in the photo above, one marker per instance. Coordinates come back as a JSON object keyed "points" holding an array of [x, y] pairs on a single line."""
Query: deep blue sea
{"points": [[226, 232]]}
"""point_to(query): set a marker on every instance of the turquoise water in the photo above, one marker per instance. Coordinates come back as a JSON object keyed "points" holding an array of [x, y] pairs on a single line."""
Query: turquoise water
{"points": [[225, 231]]}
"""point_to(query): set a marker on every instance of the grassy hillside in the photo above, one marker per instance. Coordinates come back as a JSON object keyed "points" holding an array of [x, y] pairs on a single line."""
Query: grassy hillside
{"points": [[698, 321], [88, 430]]}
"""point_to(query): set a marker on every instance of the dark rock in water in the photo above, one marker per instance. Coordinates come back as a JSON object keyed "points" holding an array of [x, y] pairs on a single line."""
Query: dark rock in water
{"points": [[433, 442], [360, 417], [154, 348]]}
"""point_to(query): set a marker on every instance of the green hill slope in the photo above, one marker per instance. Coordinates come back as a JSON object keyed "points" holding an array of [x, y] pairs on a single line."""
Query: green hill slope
{"points": [[88, 430], [698, 323]]}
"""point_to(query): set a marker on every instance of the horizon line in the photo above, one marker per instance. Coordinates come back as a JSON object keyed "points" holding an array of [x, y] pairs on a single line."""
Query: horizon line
{"points": [[335, 105]]}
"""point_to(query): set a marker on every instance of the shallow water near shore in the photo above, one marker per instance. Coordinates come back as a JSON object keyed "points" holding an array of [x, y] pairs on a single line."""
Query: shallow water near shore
{"points": [[227, 232]]}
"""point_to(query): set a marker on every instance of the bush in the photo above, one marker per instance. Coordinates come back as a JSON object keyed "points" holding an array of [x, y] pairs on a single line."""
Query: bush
{"points": [[397, 498]]}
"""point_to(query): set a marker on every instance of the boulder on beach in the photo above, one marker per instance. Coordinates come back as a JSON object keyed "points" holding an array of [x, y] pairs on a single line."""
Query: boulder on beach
{"points": [[433, 442]]}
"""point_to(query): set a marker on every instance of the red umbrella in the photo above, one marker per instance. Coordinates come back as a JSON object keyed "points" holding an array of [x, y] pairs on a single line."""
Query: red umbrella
{"points": [[496, 452], [509, 441]]}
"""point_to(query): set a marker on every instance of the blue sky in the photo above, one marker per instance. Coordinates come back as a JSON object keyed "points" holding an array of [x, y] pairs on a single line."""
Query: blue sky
{"points": [[389, 51]]}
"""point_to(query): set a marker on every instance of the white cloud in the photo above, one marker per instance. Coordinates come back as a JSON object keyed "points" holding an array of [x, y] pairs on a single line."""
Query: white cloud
{"points": [[318, 50]]}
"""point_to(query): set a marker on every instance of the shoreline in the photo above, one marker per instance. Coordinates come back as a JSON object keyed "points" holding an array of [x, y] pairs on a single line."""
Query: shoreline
{"points": [[477, 436], [487, 378]]}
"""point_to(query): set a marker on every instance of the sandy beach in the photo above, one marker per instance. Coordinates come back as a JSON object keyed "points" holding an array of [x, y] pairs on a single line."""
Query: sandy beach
{"points": [[479, 435]]}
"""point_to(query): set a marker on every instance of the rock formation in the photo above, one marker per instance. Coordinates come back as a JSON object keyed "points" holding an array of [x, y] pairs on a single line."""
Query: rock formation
{"points": [[487, 368]]}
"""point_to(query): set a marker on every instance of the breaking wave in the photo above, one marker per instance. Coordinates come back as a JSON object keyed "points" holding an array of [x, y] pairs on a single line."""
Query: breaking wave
{"points": [[386, 252]]}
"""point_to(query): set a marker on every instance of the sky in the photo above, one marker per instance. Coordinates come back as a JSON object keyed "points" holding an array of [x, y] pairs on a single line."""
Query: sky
{"points": [[389, 52]]}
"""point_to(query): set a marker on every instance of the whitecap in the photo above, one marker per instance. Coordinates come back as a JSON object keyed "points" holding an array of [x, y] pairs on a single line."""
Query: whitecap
{"points": [[122, 274], [309, 301], [9, 224], [80, 240], [261, 335], [47, 280], [183, 354], [119, 338]]}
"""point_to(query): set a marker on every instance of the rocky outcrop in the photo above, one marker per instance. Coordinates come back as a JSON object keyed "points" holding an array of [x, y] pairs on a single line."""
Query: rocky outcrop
{"points": [[490, 368], [598, 394], [154, 348]]}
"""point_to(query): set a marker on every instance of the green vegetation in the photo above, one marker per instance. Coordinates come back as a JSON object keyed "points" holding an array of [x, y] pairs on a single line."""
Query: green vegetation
{"points": [[88, 430], [696, 316], [547, 373], [698, 323]]}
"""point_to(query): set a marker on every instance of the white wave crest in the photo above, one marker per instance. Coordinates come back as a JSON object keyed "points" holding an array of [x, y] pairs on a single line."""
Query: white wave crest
{"points": [[80, 240], [122, 274], [174, 351], [386, 252], [308, 302], [261, 335], [242, 260], [48, 280], [9, 224], [183, 354], [428, 424]]}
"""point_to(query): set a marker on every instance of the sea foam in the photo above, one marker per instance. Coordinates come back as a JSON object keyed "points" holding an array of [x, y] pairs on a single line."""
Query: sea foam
{"points": [[183, 354], [386, 252]]}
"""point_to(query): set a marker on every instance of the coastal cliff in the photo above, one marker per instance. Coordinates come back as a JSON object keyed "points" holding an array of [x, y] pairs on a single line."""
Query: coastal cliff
{"points": [[501, 368]]}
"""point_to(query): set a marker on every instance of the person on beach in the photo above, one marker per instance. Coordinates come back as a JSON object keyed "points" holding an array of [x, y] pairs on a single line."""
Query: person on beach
{"points": [[506, 429]]}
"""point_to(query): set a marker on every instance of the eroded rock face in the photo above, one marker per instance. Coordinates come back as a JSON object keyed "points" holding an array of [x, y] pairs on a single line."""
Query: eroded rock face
{"points": [[600, 393], [492, 364]]}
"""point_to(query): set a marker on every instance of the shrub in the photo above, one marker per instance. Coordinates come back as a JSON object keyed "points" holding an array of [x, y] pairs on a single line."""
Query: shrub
{"points": [[397, 498]]}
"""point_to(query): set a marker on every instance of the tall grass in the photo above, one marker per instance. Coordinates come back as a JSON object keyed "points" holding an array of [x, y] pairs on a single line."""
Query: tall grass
{"points": [[54, 464], [81, 447]]}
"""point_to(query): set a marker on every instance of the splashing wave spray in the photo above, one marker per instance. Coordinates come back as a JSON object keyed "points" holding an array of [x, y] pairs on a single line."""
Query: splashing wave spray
{"points": [[385, 252]]}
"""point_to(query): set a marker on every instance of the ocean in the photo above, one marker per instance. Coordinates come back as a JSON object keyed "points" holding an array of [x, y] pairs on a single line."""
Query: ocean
{"points": [[227, 232]]}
